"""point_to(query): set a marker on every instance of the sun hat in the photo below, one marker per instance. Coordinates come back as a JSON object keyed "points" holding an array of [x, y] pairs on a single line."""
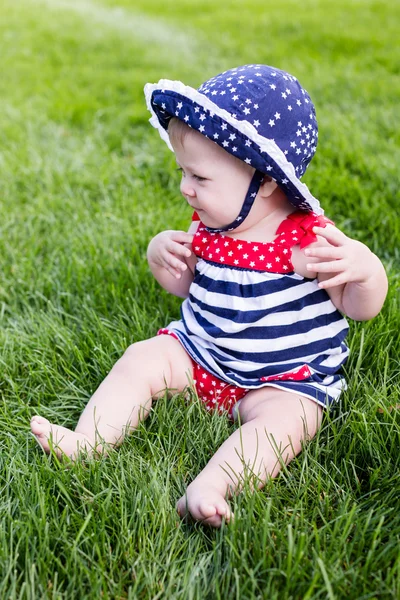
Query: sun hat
{"points": [[259, 114]]}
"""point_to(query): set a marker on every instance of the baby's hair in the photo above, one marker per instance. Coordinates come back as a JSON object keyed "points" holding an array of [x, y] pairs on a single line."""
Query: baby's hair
{"points": [[177, 130]]}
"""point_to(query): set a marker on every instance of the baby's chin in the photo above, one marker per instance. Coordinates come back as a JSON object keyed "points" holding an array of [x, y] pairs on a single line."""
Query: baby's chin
{"points": [[210, 222]]}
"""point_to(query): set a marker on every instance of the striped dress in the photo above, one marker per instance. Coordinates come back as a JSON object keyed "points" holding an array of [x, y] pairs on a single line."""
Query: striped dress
{"points": [[251, 321]]}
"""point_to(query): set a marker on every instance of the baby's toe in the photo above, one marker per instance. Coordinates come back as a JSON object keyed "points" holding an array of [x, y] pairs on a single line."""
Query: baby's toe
{"points": [[40, 425]]}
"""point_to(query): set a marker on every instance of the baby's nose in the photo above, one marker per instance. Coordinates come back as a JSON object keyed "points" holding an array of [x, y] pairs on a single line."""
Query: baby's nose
{"points": [[186, 189]]}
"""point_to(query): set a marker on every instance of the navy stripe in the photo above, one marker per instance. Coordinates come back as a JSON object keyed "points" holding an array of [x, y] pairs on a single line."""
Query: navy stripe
{"points": [[269, 333], [248, 290]]}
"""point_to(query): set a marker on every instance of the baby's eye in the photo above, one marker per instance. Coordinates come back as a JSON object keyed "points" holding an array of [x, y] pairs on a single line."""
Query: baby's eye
{"points": [[198, 178]]}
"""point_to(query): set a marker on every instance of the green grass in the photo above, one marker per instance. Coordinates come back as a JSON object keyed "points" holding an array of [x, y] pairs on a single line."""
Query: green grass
{"points": [[84, 184]]}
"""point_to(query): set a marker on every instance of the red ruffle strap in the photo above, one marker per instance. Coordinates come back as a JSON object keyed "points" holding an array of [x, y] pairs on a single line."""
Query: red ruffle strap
{"points": [[195, 216], [298, 227]]}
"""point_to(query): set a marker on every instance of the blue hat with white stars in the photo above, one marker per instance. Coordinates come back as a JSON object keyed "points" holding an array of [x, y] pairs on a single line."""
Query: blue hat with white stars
{"points": [[259, 114]]}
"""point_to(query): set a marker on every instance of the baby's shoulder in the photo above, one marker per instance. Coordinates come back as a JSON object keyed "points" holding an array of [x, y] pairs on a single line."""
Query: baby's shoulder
{"points": [[300, 260]]}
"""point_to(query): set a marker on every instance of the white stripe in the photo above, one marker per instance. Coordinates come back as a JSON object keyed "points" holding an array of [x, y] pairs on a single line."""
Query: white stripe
{"points": [[227, 274], [241, 304], [266, 145]]}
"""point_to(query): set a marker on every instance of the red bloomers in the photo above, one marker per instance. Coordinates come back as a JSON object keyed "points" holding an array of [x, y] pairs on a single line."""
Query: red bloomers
{"points": [[212, 391]]}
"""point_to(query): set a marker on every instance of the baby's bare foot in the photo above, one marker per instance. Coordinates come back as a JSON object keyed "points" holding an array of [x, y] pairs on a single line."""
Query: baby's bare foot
{"points": [[62, 440], [205, 502]]}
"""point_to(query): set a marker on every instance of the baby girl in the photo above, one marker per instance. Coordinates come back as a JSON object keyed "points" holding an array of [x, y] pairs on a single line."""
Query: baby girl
{"points": [[266, 280]]}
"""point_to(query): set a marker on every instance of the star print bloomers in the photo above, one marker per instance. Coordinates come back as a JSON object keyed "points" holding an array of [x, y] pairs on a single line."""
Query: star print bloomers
{"points": [[250, 321]]}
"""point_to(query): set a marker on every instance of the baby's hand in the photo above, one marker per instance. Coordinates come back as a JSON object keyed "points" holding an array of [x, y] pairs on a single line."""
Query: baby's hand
{"points": [[168, 250], [348, 258]]}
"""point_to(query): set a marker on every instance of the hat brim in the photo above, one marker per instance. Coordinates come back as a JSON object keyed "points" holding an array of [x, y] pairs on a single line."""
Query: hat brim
{"points": [[167, 99]]}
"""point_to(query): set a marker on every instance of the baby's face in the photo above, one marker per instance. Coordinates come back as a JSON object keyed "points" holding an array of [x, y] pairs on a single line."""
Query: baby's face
{"points": [[214, 183]]}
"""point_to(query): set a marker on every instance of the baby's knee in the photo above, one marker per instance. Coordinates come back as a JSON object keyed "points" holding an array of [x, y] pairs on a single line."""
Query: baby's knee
{"points": [[138, 351], [151, 355]]}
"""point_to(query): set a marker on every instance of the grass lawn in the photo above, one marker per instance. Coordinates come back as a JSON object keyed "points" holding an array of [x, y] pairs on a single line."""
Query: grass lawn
{"points": [[85, 183]]}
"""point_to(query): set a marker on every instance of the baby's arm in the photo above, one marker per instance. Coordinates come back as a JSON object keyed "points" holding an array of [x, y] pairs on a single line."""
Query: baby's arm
{"points": [[171, 260], [353, 276]]}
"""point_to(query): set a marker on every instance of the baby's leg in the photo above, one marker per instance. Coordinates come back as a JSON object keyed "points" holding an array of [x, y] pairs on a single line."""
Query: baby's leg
{"points": [[123, 399], [274, 425]]}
